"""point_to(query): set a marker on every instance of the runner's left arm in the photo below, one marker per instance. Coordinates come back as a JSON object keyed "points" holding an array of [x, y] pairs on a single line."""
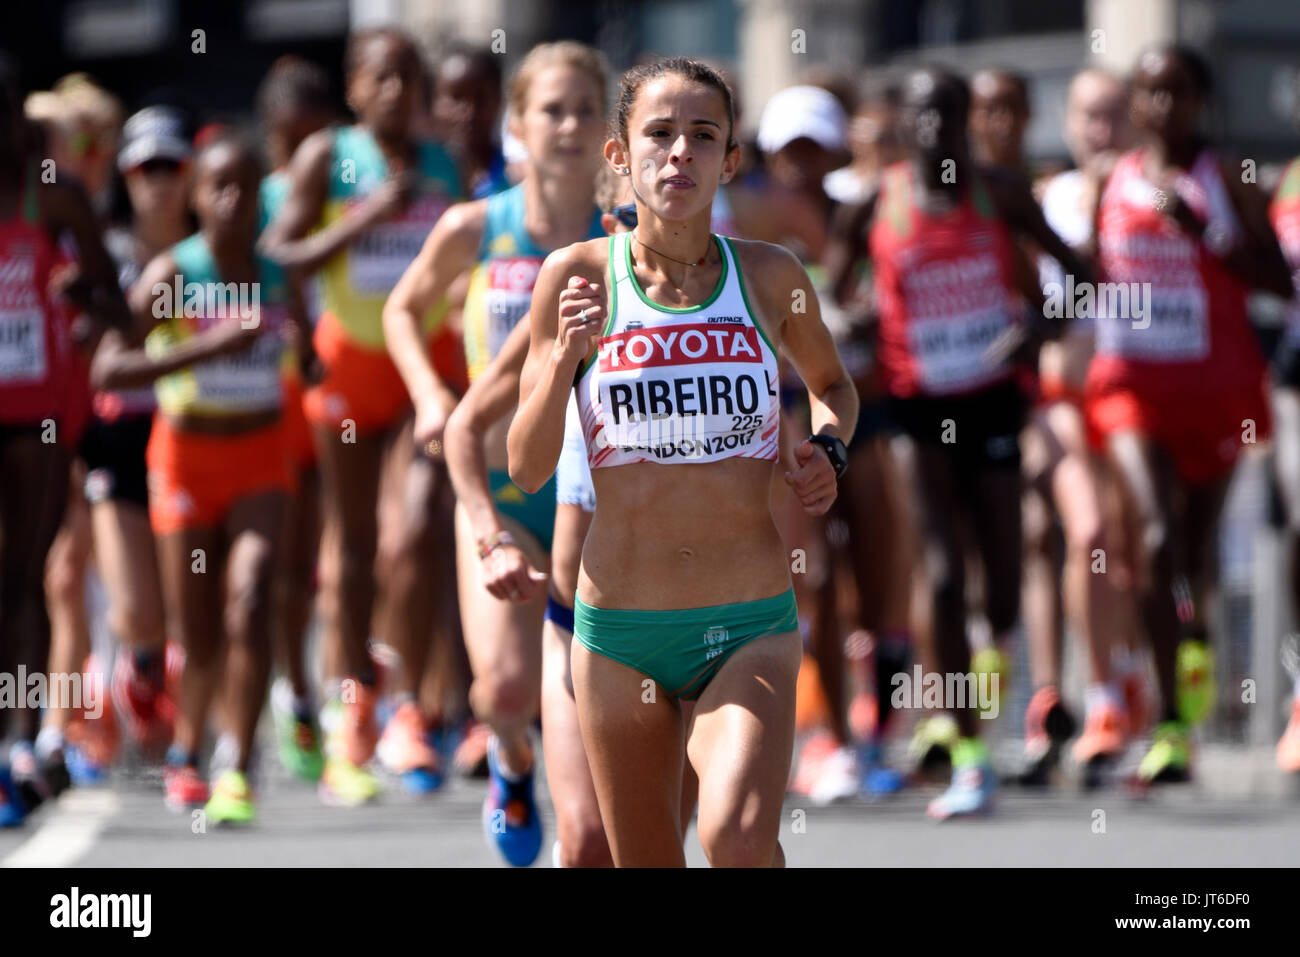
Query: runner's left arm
{"points": [[811, 350]]}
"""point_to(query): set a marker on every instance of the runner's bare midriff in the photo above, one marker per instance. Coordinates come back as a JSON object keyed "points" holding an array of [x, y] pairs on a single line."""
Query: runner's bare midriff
{"points": [[682, 536]]}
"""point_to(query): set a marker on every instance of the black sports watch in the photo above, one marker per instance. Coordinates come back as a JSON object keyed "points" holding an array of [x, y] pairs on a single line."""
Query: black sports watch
{"points": [[836, 451]]}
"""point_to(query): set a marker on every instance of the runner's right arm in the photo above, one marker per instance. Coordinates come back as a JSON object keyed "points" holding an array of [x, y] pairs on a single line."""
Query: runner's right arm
{"points": [[286, 241], [120, 363], [571, 280]]}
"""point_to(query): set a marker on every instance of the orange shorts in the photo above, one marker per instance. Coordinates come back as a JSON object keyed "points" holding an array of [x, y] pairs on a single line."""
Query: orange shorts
{"points": [[364, 385], [360, 384], [195, 478], [297, 433], [1203, 434]]}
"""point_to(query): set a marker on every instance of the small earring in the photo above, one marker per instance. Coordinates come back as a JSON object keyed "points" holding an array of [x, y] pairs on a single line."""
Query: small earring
{"points": [[624, 171]]}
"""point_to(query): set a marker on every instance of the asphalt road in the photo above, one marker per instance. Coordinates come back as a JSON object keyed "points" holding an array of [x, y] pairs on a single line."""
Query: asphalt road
{"points": [[126, 825]]}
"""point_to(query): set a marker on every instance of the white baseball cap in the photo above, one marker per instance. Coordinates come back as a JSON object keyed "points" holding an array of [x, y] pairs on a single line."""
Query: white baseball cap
{"points": [[802, 111], [156, 132]]}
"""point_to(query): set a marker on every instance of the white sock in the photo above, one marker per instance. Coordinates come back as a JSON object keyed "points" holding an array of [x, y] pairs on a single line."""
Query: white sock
{"points": [[1100, 694], [49, 740], [511, 776]]}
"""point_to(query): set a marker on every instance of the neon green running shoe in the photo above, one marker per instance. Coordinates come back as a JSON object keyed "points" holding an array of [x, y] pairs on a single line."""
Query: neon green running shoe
{"points": [[343, 784], [298, 739], [990, 661], [1194, 673], [933, 739], [231, 801], [1169, 759]]}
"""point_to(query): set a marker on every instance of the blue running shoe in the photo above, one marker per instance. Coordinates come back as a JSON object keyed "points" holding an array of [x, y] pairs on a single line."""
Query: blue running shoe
{"points": [[973, 783], [877, 777], [83, 771], [12, 810], [510, 818], [422, 780]]}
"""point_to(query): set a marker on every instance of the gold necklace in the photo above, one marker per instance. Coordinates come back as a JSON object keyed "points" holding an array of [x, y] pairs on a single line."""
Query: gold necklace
{"points": [[698, 262]]}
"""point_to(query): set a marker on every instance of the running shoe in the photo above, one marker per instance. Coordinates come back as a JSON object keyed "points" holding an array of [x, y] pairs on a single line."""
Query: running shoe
{"points": [[1104, 732], [877, 777], [470, 758], [1288, 749], [141, 700], [1194, 672], [95, 735], [346, 785], [933, 741], [296, 735], [184, 787], [510, 818], [50, 755], [1048, 725], [973, 784], [816, 750], [25, 771], [12, 810], [991, 660], [231, 801], [358, 731], [82, 771], [838, 777], [404, 750], [1169, 760]]}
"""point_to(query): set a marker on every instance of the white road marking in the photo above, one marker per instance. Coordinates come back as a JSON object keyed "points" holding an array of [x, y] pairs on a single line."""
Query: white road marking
{"points": [[69, 832]]}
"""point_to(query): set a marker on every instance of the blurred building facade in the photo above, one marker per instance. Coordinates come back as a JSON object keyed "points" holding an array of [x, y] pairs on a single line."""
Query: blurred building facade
{"points": [[135, 46]]}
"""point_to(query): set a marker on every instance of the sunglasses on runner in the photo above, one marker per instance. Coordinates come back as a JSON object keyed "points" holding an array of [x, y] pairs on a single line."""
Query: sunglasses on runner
{"points": [[155, 166], [625, 215]]}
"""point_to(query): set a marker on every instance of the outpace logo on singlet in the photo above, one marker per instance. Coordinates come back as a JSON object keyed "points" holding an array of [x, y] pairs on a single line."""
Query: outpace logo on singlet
{"points": [[690, 389]]}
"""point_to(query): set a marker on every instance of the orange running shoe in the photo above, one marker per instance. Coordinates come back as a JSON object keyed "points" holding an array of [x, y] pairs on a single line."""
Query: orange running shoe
{"points": [[184, 787], [96, 738], [358, 730], [1288, 749], [1105, 729], [405, 746], [816, 751]]}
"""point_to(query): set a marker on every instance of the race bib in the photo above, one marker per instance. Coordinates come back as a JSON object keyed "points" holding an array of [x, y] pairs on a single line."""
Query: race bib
{"points": [[378, 258], [247, 381], [508, 296], [695, 391], [950, 350], [1172, 326], [22, 345]]}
